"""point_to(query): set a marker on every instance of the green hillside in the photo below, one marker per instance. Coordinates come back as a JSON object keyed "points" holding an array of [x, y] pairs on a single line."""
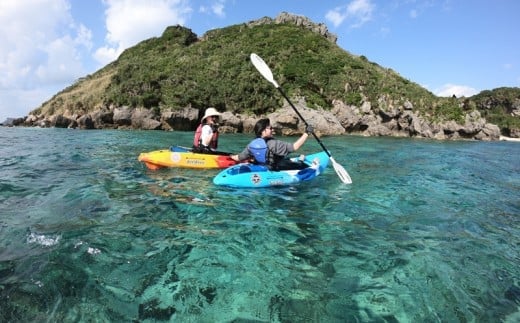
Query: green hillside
{"points": [[179, 69], [500, 106]]}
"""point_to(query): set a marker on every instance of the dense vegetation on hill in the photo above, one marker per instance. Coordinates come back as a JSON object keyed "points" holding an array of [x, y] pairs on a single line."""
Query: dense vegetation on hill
{"points": [[178, 69], [500, 106]]}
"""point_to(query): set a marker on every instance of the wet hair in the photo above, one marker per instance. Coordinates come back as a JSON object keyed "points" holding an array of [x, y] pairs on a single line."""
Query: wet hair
{"points": [[260, 126]]}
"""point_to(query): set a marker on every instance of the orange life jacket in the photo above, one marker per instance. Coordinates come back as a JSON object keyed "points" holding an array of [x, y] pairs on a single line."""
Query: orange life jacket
{"points": [[197, 141]]}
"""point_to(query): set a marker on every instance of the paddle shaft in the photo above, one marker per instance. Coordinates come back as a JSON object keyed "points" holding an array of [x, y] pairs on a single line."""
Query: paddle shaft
{"points": [[305, 122]]}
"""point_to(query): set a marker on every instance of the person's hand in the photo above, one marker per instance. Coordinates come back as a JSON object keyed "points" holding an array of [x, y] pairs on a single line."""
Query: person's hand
{"points": [[309, 129]]}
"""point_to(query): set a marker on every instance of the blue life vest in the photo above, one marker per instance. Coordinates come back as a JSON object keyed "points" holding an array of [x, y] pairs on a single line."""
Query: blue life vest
{"points": [[258, 150]]}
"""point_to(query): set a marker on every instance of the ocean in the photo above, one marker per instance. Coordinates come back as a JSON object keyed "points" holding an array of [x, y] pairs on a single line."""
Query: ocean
{"points": [[429, 231]]}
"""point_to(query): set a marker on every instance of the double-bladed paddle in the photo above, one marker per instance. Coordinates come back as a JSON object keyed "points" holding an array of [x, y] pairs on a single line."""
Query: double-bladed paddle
{"points": [[262, 67]]}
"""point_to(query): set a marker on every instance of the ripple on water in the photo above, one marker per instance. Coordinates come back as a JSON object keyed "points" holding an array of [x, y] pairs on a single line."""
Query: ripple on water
{"points": [[428, 231]]}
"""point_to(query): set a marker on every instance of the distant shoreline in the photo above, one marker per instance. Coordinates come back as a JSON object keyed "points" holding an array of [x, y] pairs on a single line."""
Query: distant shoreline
{"points": [[504, 138]]}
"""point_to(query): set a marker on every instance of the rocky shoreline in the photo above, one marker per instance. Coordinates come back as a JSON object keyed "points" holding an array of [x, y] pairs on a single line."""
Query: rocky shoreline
{"points": [[399, 121]]}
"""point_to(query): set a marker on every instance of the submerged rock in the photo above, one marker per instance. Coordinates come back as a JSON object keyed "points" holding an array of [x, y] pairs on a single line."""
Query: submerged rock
{"points": [[513, 294]]}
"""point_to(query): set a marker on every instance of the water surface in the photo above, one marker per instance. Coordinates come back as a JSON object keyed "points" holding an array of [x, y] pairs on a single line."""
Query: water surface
{"points": [[428, 232]]}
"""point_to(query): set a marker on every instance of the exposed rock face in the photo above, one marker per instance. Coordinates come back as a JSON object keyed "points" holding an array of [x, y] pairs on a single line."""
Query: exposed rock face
{"points": [[185, 119], [10, 122], [403, 122], [137, 118], [103, 118], [60, 121], [515, 109], [122, 116], [302, 21], [288, 122], [399, 121]]}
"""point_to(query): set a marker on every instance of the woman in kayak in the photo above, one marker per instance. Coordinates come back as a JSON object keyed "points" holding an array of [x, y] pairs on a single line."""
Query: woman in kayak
{"points": [[265, 150], [206, 135]]}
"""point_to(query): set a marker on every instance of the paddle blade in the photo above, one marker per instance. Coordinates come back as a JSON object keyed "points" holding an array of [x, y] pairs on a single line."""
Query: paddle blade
{"points": [[262, 67], [342, 173]]}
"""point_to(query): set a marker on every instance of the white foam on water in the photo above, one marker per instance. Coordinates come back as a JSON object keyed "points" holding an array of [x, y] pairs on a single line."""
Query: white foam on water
{"points": [[93, 251], [41, 239]]}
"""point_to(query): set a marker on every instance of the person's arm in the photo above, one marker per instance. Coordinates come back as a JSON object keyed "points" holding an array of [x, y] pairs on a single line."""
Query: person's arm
{"points": [[298, 143], [241, 156]]}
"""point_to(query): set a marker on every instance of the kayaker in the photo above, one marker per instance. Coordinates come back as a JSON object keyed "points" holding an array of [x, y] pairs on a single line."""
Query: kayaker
{"points": [[206, 135], [269, 151]]}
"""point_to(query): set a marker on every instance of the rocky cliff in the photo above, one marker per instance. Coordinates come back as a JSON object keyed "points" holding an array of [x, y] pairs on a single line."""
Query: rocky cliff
{"points": [[399, 121]]}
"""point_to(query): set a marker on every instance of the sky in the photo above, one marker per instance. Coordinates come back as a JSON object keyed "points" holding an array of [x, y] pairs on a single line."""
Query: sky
{"points": [[450, 47]]}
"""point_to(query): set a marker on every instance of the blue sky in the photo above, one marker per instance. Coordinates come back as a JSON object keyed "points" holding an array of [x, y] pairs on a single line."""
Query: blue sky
{"points": [[450, 47]]}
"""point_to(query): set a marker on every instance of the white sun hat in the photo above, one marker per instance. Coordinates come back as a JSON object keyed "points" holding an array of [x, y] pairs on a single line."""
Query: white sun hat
{"points": [[210, 112]]}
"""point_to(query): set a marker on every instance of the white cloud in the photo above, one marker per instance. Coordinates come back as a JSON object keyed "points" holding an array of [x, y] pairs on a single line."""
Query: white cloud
{"points": [[62, 61], [218, 8], [335, 17], [357, 11], [448, 90], [41, 46], [19, 102], [84, 37], [130, 21]]}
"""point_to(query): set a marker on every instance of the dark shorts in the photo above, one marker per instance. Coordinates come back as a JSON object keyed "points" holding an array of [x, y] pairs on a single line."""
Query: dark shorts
{"points": [[287, 164]]}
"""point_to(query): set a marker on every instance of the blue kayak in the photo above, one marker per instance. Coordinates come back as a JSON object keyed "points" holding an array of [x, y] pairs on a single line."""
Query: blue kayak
{"points": [[250, 175]]}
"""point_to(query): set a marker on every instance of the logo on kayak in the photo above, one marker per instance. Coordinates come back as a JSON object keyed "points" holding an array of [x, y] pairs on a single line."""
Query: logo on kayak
{"points": [[175, 157], [255, 178], [199, 162]]}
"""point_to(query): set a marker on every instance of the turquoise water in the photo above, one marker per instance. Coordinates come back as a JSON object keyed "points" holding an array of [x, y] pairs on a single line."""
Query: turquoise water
{"points": [[428, 232]]}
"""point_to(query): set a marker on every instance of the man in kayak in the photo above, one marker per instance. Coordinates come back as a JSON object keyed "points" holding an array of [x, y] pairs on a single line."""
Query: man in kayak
{"points": [[265, 150], [206, 135]]}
